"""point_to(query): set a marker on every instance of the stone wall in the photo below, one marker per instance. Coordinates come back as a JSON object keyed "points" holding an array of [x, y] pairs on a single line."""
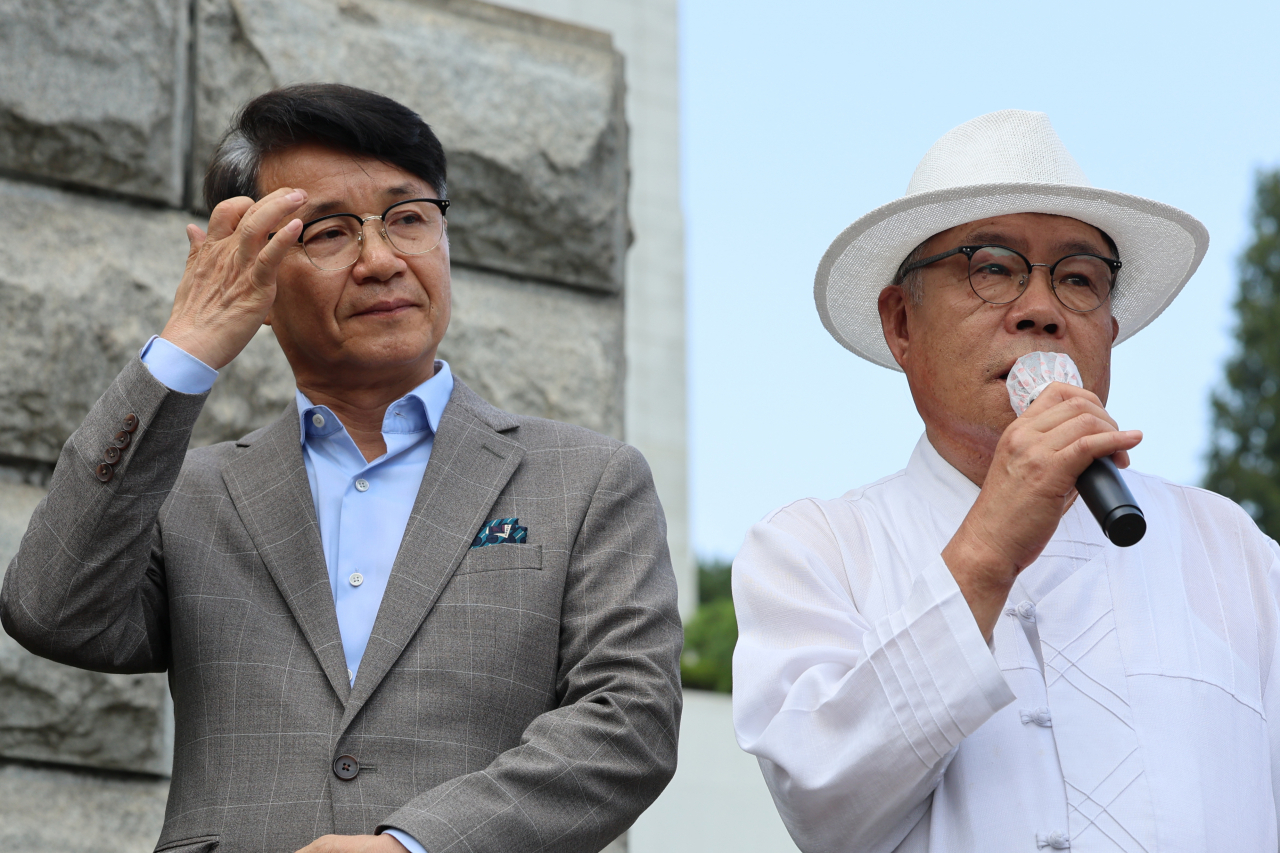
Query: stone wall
{"points": [[646, 33], [108, 114]]}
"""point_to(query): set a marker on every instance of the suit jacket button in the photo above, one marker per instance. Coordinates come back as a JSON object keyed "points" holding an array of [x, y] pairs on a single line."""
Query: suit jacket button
{"points": [[130, 422], [112, 455], [122, 440], [104, 472], [346, 768]]}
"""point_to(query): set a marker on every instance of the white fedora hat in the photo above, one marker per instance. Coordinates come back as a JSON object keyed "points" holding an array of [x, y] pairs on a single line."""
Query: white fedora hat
{"points": [[1010, 161]]}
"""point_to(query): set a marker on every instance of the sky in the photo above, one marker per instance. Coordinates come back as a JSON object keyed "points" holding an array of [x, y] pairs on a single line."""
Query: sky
{"points": [[796, 123]]}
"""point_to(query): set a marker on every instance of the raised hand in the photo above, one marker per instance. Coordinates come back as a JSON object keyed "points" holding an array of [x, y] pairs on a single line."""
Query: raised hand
{"points": [[1030, 484], [230, 281]]}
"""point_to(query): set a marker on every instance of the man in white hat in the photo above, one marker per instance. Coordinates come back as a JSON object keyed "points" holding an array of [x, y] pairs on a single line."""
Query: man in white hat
{"points": [[955, 658]]}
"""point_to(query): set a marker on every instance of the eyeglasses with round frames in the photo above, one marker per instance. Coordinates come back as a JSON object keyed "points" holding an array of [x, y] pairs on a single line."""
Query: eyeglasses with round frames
{"points": [[411, 227], [1081, 281]]}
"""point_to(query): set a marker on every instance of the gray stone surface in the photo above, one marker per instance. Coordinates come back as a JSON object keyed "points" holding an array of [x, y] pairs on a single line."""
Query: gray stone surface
{"points": [[51, 712], [71, 314], [529, 347], [76, 305], [96, 93], [539, 349], [529, 111], [17, 501], [53, 810]]}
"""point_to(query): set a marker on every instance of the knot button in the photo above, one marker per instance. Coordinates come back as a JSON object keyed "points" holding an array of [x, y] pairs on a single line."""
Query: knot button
{"points": [[346, 768], [1040, 716], [1026, 610], [104, 472], [1056, 840]]}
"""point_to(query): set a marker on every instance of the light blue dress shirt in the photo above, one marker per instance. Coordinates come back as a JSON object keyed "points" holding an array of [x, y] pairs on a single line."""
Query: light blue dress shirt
{"points": [[363, 507]]}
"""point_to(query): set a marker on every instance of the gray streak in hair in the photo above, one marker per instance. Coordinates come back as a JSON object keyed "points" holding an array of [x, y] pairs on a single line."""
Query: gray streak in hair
{"points": [[240, 159], [340, 118], [913, 282]]}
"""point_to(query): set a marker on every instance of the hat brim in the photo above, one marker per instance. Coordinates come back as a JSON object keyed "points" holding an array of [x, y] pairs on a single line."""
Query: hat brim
{"points": [[1161, 248]]}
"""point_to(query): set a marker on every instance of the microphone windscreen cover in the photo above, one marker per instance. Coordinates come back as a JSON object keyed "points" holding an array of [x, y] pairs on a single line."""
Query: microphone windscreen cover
{"points": [[1032, 373]]}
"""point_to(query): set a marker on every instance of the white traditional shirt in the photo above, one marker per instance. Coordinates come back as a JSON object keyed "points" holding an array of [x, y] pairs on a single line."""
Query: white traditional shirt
{"points": [[1124, 702]]}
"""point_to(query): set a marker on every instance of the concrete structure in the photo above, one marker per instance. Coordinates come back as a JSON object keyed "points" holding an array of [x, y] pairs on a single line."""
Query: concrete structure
{"points": [[646, 33], [718, 802], [106, 121]]}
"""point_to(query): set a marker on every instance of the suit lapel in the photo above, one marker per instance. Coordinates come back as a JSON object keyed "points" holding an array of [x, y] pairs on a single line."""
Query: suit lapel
{"points": [[471, 462], [267, 481]]}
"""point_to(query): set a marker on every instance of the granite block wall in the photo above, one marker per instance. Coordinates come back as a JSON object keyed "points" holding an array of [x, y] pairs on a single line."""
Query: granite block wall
{"points": [[108, 115]]}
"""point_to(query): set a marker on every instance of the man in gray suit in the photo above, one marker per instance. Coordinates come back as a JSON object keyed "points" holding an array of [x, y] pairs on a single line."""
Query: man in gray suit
{"points": [[397, 617]]}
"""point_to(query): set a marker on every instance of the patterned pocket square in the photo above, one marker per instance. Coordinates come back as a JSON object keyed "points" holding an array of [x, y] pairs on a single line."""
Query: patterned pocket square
{"points": [[500, 531]]}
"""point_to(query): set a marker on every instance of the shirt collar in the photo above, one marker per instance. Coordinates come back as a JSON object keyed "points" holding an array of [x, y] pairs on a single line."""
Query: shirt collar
{"points": [[417, 411], [952, 494], [949, 491]]}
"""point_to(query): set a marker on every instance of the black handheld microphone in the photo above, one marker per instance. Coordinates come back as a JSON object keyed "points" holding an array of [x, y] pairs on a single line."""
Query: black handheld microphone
{"points": [[1100, 486], [1111, 502]]}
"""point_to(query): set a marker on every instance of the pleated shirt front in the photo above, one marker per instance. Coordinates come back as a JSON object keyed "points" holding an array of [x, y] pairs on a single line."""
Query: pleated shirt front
{"points": [[1124, 703]]}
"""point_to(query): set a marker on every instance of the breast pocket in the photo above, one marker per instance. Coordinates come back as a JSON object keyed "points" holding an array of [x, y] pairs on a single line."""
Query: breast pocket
{"points": [[502, 557]]}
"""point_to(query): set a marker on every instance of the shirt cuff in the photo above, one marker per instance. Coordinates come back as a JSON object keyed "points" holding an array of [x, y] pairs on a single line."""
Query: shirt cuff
{"points": [[947, 680], [175, 368], [410, 843]]}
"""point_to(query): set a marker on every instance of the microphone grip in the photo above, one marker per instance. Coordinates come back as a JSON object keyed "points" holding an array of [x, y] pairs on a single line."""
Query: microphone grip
{"points": [[1111, 503]]}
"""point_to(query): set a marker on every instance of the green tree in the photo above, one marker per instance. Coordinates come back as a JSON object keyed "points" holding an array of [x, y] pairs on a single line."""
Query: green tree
{"points": [[712, 632], [1244, 458]]}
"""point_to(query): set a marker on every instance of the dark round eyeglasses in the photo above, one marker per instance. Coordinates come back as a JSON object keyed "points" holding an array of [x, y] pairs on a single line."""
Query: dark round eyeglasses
{"points": [[999, 275], [411, 227]]}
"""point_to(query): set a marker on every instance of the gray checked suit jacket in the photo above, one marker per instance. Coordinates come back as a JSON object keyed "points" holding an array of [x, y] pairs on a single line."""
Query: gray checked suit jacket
{"points": [[511, 698]]}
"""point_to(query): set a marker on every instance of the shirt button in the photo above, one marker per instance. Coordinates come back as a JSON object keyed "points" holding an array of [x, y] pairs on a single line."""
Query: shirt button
{"points": [[1056, 840], [362, 485], [318, 420], [356, 579], [1040, 716]]}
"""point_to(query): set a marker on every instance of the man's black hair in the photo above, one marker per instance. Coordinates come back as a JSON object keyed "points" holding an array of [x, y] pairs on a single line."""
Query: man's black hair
{"points": [[344, 118]]}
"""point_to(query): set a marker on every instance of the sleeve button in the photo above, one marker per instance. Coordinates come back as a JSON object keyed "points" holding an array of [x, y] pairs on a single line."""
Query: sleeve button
{"points": [[111, 455], [104, 472], [122, 440], [130, 422]]}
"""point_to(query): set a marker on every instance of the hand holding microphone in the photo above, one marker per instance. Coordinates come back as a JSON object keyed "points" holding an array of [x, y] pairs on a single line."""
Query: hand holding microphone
{"points": [[1100, 485], [1039, 460]]}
